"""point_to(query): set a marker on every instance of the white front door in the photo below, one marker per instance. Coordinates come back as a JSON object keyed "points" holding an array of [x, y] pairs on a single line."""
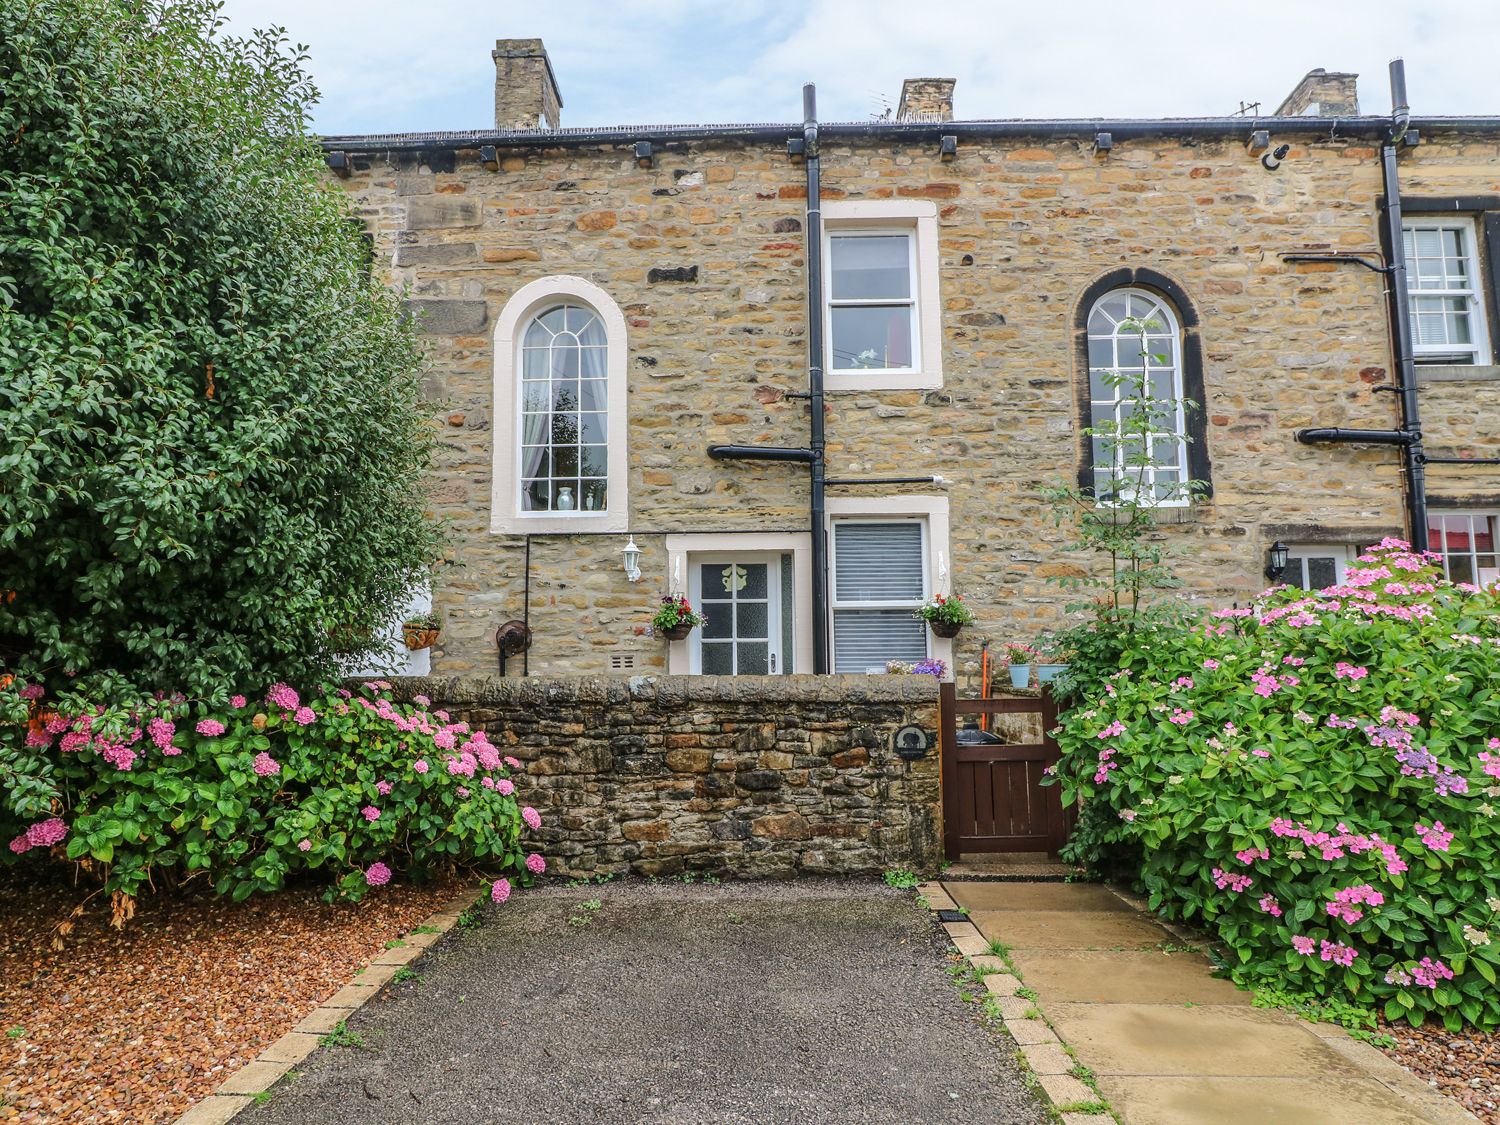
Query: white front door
{"points": [[740, 595]]}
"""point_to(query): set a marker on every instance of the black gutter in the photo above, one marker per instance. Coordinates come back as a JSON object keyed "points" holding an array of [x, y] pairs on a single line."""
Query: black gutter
{"points": [[817, 506], [760, 453], [1374, 128], [1361, 437]]}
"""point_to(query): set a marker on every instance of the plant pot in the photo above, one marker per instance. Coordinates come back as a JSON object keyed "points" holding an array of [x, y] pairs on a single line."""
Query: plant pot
{"points": [[945, 629], [1045, 673], [676, 632], [1020, 675], [420, 638]]}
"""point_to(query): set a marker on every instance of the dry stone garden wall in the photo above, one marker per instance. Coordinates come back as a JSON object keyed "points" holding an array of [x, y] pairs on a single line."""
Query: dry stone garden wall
{"points": [[737, 776]]}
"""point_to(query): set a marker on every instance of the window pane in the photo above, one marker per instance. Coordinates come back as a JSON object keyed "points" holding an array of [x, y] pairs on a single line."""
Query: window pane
{"points": [[535, 396], [751, 619], [534, 495], [871, 337], [593, 460], [1484, 533], [720, 617], [536, 461], [595, 495], [718, 659], [1460, 568], [565, 396], [1322, 573], [868, 267], [591, 429], [593, 362], [865, 639], [534, 362], [754, 658], [878, 562], [565, 460], [533, 429], [592, 395]]}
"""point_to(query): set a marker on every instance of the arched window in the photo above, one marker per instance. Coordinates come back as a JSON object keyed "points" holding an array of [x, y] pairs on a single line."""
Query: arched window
{"points": [[1145, 395], [560, 410], [564, 412]]}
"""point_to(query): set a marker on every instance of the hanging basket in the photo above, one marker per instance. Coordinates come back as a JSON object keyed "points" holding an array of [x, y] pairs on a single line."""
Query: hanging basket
{"points": [[945, 629], [676, 632], [417, 639]]}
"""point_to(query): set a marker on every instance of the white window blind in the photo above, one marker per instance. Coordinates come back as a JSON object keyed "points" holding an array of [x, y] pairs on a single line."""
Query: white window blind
{"points": [[1442, 274], [879, 578]]}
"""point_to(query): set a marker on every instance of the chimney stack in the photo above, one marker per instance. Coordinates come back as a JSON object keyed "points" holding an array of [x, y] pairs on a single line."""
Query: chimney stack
{"points": [[525, 88], [926, 99], [1322, 94]]}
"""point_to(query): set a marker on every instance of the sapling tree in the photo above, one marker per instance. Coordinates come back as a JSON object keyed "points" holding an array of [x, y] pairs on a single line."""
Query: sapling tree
{"points": [[211, 435]]}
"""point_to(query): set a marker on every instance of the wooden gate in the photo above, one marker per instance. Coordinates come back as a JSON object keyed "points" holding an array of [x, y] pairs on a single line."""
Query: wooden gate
{"points": [[993, 797]]}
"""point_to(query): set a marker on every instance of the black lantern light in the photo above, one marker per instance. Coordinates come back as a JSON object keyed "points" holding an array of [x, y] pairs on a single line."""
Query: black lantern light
{"points": [[1276, 560]]}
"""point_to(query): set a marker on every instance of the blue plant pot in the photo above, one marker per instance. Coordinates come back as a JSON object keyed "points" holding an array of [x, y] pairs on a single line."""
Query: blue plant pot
{"points": [[1020, 675], [1048, 672]]}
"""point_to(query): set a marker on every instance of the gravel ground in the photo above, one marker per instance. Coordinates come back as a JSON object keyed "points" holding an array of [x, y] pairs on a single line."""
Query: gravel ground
{"points": [[808, 1001], [134, 1026], [1465, 1065]]}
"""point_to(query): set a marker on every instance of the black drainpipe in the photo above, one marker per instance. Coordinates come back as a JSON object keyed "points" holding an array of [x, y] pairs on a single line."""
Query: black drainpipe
{"points": [[1409, 435], [1406, 368], [813, 455], [817, 504]]}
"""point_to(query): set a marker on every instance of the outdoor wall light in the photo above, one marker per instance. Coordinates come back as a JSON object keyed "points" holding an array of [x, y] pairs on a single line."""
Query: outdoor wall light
{"points": [[632, 555], [1276, 560], [1272, 160]]}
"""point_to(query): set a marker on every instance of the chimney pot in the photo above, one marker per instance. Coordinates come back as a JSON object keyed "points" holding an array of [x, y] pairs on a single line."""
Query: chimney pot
{"points": [[926, 99], [526, 92], [1322, 93]]}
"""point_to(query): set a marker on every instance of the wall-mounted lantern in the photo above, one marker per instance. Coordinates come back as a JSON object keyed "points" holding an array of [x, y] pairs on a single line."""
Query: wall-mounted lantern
{"points": [[1276, 560], [632, 555]]}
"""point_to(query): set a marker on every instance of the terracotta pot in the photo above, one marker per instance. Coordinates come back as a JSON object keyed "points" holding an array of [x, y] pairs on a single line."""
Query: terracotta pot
{"points": [[420, 638], [945, 629], [677, 632]]}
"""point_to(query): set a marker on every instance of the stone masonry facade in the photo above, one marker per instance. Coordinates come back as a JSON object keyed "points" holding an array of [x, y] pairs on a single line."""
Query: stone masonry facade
{"points": [[701, 245], [764, 776]]}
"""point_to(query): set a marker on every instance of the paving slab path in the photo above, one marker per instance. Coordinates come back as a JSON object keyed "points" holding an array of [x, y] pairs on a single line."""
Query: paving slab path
{"points": [[1169, 1043], [817, 1001]]}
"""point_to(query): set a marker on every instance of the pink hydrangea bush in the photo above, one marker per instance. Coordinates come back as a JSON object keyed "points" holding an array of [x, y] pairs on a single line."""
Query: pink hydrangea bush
{"points": [[258, 789], [1314, 778]]}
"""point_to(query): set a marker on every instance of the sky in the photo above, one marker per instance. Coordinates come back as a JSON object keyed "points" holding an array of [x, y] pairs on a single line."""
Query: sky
{"points": [[417, 65]]}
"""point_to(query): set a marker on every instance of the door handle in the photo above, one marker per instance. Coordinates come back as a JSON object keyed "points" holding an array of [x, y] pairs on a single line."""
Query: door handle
{"points": [[773, 663]]}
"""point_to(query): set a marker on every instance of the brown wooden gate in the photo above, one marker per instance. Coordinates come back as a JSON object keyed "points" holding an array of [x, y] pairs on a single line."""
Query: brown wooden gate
{"points": [[993, 797]]}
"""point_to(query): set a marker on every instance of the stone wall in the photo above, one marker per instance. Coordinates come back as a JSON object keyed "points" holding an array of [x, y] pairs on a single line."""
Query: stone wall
{"points": [[703, 251], [748, 777]]}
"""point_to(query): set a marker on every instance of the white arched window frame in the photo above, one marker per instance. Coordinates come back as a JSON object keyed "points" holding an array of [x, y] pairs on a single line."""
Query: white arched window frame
{"points": [[1164, 480], [508, 513]]}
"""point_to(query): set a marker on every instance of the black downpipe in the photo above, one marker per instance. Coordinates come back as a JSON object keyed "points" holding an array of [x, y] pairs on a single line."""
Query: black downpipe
{"points": [[526, 610], [1395, 256], [817, 504]]}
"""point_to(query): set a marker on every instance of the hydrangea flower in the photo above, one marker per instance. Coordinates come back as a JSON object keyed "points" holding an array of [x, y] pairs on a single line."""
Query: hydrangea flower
{"points": [[212, 728], [370, 813], [304, 846], [500, 890], [377, 875], [304, 716], [237, 701], [383, 788], [515, 763], [283, 696], [505, 787], [420, 766], [265, 765], [531, 817], [535, 863]]}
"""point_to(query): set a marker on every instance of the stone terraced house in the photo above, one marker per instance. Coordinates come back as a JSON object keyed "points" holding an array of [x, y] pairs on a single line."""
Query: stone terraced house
{"points": [[604, 305]]}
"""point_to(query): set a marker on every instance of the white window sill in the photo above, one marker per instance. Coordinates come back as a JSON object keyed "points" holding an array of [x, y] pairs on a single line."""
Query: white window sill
{"points": [[882, 381], [1457, 372], [580, 523]]}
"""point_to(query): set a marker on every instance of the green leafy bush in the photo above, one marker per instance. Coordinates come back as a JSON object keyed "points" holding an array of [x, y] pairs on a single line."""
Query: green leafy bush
{"points": [[348, 786], [211, 433], [1316, 780]]}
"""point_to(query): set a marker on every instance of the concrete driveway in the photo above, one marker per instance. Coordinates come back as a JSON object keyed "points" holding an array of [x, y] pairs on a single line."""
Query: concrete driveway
{"points": [[807, 1001]]}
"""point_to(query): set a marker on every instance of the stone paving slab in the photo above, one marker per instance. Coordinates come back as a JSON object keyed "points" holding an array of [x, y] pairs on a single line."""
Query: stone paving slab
{"points": [[1063, 929], [1209, 1040], [1037, 896], [1169, 1043], [1139, 977], [1177, 1100]]}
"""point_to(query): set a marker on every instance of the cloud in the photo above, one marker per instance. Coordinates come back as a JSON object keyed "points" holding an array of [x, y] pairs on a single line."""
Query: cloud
{"points": [[385, 66]]}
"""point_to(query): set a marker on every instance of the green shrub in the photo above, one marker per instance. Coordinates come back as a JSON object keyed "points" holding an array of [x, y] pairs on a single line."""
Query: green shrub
{"points": [[212, 438], [1316, 780], [351, 787]]}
